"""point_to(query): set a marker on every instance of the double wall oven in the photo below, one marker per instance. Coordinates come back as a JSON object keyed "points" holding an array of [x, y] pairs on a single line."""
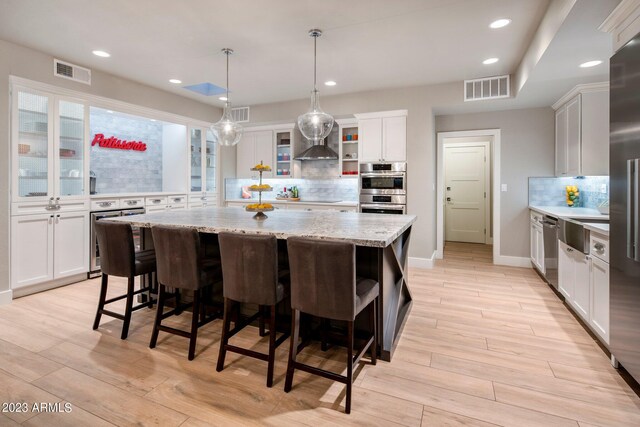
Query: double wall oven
{"points": [[383, 188]]}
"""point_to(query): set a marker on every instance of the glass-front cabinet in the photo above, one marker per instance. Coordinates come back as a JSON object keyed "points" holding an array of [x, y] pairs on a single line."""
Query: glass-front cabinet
{"points": [[204, 155], [48, 146]]}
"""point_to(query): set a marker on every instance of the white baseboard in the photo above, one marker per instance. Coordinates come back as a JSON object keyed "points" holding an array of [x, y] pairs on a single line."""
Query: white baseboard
{"points": [[513, 261], [6, 297], [425, 263]]}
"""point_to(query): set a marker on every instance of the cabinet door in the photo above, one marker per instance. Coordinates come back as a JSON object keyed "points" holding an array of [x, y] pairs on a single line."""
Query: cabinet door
{"points": [[210, 161], [573, 137], [540, 249], [533, 242], [245, 155], [595, 133], [566, 271], [581, 290], [71, 244], [370, 140], [31, 249], [561, 141], [70, 153], [394, 139], [195, 141], [264, 151], [32, 139], [599, 316]]}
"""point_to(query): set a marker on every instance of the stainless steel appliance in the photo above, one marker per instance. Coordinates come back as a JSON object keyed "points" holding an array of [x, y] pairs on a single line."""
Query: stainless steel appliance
{"points": [[624, 207], [383, 178], [383, 188], [94, 262], [550, 240]]}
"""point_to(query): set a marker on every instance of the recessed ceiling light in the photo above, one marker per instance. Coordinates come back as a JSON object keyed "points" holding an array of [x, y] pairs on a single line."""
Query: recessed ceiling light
{"points": [[329, 83], [110, 111], [175, 81], [223, 98], [490, 61], [153, 120], [589, 64], [101, 53], [499, 23]]}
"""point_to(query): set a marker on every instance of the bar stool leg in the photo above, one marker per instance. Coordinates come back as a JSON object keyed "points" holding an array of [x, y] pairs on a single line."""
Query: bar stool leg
{"points": [[261, 322], [374, 349], [194, 324], [149, 288], [226, 326], [272, 346], [349, 366], [101, 300], [156, 323], [293, 348], [128, 309], [324, 325]]}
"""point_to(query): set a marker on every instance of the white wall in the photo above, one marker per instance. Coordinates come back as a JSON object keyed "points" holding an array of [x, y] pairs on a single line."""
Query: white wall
{"points": [[30, 64], [527, 146]]}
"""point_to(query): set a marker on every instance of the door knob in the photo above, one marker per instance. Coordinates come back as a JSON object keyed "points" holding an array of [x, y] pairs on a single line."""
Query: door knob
{"points": [[448, 188], [448, 199]]}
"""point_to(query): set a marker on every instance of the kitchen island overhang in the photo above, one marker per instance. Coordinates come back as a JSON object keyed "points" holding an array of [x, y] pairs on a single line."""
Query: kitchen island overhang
{"points": [[382, 245]]}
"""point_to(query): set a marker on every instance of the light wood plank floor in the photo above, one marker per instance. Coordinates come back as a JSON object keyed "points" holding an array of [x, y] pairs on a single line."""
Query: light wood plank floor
{"points": [[483, 345]]}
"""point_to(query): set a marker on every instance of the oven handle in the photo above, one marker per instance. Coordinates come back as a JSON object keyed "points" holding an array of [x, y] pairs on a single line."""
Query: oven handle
{"points": [[390, 207], [383, 175]]}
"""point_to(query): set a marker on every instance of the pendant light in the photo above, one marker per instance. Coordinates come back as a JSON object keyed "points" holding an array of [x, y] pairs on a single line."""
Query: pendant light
{"points": [[226, 131], [315, 124]]}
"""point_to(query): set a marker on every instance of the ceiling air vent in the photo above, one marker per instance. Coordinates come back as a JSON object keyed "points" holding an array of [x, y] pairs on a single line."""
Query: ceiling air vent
{"points": [[487, 88], [71, 72], [240, 114]]}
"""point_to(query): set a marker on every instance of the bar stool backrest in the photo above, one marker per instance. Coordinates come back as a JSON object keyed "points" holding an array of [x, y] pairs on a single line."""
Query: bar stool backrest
{"points": [[178, 257], [249, 267], [117, 253], [323, 277]]}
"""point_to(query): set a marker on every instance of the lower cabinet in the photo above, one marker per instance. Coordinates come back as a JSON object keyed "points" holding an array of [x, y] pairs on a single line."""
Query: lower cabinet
{"points": [[566, 271], [599, 316], [537, 246], [47, 247]]}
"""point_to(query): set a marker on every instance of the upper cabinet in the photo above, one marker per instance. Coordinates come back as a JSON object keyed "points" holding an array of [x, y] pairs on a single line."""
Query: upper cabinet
{"points": [[582, 131], [383, 136], [204, 154], [48, 146], [254, 147], [623, 23], [348, 152]]}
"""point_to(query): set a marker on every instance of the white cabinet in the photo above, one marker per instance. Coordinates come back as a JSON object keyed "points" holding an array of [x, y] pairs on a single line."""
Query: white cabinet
{"points": [[566, 271], [582, 131], [383, 136], [536, 241], [47, 247], [254, 147], [581, 290], [623, 23], [204, 160], [599, 316]]}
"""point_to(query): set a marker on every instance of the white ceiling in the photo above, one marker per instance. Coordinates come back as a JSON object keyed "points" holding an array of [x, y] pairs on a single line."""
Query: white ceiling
{"points": [[367, 44]]}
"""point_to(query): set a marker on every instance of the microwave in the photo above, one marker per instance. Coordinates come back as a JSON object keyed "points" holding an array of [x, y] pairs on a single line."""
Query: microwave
{"points": [[383, 178]]}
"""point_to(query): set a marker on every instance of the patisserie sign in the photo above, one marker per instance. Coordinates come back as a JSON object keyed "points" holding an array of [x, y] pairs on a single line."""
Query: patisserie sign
{"points": [[119, 144]]}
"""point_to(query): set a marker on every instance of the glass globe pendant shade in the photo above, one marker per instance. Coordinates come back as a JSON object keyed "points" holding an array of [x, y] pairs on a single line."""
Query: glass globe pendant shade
{"points": [[315, 124], [227, 131]]}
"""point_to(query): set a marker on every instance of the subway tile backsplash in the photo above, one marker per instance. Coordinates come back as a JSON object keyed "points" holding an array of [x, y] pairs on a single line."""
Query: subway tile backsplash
{"points": [[550, 191], [345, 189]]}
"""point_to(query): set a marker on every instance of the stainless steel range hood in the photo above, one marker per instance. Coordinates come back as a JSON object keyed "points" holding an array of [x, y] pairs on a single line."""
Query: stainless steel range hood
{"points": [[318, 152]]}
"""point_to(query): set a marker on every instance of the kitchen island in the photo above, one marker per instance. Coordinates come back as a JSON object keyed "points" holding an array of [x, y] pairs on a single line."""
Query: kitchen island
{"points": [[382, 244]]}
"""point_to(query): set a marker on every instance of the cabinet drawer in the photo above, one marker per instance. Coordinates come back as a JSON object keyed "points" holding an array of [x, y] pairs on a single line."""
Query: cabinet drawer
{"points": [[599, 247], [132, 203], [177, 199], [105, 204], [155, 201], [536, 217], [28, 208]]}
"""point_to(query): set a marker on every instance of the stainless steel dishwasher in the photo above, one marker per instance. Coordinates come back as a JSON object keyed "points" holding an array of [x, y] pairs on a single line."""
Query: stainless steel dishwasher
{"points": [[550, 238]]}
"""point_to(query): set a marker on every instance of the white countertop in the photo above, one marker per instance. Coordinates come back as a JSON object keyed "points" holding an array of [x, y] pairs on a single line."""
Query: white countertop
{"points": [[362, 229], [128, 195], [301, 202], [567, 212], [597, 227]]}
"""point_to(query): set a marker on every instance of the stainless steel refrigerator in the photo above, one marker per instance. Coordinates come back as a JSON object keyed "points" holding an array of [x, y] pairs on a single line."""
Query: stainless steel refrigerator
{"points": [[624, 202]]}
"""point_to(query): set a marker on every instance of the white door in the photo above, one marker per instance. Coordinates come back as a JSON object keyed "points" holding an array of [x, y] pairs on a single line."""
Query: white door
{"points": [[245, 155], [370, 136], [394, 139], [581, 291], [31, 249], [465, 191], [264, 151], [599, 316], [566, 271], [71, 244]]}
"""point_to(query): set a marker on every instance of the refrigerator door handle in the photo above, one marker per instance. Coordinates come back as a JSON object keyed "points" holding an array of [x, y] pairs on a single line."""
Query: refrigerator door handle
{"points": [[633, 229], [636, 213]]}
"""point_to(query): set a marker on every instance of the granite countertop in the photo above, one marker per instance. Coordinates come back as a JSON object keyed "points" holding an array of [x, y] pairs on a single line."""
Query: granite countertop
{"points": [[301, 202], [567, 212], [597, 227], [362, 229]]}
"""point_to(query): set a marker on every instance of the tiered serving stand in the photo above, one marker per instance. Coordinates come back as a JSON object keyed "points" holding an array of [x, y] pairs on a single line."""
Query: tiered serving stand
{"points": [[260, 216]]}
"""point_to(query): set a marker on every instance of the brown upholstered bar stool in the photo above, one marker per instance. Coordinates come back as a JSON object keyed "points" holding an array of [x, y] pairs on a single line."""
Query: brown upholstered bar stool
{"points": [[182, 266], [251, 275], [324, 284], [119, 258]]}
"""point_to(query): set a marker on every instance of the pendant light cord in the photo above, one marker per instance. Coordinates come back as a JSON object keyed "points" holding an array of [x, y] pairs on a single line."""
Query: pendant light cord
{"points": [[227, 53], [315, 41]]}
